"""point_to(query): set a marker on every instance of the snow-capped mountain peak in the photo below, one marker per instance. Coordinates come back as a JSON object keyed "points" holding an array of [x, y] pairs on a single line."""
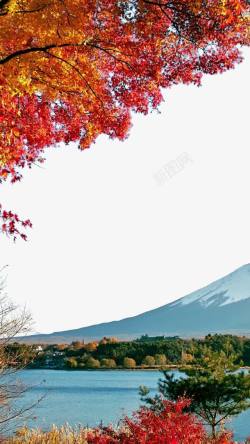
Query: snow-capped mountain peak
{"points": [[232, 288]]}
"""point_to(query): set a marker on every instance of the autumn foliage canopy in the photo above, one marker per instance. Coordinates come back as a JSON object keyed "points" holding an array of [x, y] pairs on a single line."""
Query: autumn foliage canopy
{"points": [[71, 70]]}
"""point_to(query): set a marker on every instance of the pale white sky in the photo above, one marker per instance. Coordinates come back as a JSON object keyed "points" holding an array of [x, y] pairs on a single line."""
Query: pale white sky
{"points": [[108, 240]]}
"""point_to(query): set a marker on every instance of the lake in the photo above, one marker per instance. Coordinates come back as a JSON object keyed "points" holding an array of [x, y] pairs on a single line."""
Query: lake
{"points": [[89, 397]]}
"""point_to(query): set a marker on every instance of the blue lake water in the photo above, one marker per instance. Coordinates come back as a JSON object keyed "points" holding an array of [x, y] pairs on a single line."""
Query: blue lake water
{"points": [[89, 397]]}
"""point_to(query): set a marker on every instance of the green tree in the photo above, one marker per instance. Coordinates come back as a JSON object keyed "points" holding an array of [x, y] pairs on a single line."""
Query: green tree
{"points": [[148, 360], [160, 359], [108, 363], [216, 391], [129, 363], [246, 352]]}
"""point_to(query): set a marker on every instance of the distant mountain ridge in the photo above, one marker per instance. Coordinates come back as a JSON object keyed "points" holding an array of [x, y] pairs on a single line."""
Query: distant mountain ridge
{"points": [[221, 307]]}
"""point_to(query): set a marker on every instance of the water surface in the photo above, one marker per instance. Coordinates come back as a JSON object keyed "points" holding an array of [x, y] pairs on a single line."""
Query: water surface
{"points": [[89, 397]]}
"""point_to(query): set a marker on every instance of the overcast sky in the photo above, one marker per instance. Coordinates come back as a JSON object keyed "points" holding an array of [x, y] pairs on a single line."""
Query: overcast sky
{"points": [[128, 226]]}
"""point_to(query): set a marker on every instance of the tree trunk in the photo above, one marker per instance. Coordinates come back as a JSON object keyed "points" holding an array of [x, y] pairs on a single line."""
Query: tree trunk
{"points": [[213, 426]]}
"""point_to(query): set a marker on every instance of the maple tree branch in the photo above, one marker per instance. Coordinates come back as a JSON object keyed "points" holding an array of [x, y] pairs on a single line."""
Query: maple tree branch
{"points": [[78, 72], [107, 50], [155, 3], [29, 11], [185, 12], [46, 48], [57, 87], [26, 11]]}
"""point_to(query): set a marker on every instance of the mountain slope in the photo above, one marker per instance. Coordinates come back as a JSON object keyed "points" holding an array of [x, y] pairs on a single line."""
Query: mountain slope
{"points": [[223, 307]]}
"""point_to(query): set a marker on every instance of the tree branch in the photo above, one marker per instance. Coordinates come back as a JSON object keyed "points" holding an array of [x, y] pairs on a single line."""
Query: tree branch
{"points": [[21, 52], [75, 68]]}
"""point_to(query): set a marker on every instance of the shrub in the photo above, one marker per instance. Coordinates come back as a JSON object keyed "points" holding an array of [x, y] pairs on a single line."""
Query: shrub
{"points": [[91, 346], [160, 359], [129, 363], [108, 363], [148, 360], [171, 426], [93, 363], [71, 363], [63, 435], [77, 345]]}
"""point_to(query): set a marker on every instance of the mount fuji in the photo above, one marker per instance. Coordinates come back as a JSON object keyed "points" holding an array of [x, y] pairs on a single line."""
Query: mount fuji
{"points": [[221, 307]]}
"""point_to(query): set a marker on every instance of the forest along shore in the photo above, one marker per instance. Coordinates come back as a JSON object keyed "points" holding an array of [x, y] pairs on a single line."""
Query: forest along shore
{"points": [[145, 353]]}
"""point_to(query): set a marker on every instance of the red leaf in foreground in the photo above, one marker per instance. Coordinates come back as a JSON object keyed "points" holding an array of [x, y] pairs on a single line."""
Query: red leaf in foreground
{"points": [[172, 426]]}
